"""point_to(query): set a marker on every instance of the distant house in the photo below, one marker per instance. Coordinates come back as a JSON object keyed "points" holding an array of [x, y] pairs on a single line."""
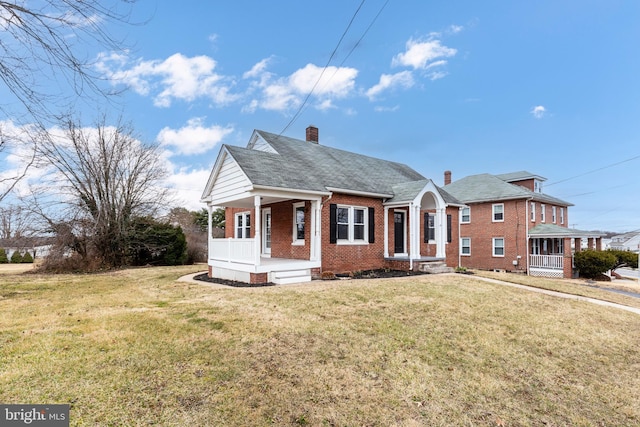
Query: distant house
{"points": [[296, 209], [626, 242], [510, 224], [38, 247]]}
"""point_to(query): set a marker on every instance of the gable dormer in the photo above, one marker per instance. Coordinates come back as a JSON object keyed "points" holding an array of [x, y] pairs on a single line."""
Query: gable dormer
{"points": [[257, 142]]}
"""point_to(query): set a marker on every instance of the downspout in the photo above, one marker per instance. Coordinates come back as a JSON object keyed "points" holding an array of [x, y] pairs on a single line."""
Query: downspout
{"points": [[411, 236], [459, 237], [526, 228]]}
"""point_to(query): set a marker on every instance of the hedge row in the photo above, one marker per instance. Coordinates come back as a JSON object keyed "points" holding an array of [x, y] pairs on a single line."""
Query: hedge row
{"points": [[16, 258]]}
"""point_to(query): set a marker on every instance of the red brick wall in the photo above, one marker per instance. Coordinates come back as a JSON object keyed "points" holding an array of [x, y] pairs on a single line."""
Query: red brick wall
{"points": [[482, 230], [282, 231], [526, 183], [453, 247], [339, 258]]}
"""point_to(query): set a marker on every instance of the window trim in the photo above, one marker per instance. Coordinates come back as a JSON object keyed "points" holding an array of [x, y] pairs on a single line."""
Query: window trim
{"points": [[494, 247], [246, 230], [493, 212], [462, 246], [543, 214], [533, 211], [562, 216], [462, 215], [553, 214], [351, 240], [295, 240]]}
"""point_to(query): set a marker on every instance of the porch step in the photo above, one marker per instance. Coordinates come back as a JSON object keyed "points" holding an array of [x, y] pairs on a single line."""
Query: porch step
{"points": [[290, 276], [434, 267]]}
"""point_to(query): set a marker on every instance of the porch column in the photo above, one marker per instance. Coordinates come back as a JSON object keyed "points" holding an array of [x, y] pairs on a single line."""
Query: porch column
{"points": [[598, 243], [209, 229], [590, 244], [577, 245], [315, 232], [441, 233], [258, 230], [415, 226], [386, 232], [567, 259]]}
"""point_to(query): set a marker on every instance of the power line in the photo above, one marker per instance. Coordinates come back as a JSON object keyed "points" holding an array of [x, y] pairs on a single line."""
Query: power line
{"points": [[594, 170], [355, 46], [297, 114]]}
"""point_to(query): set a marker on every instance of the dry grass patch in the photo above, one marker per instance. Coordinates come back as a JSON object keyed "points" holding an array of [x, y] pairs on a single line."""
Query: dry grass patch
{"points": [[136, 348], [580, 287]]}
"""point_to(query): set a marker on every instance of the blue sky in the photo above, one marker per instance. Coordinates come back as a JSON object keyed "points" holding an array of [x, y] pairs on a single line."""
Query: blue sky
{"points": [[551, 87]]}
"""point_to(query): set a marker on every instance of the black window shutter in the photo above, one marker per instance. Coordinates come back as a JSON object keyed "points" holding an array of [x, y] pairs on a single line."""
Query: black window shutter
{"points": [[426, 228], [449, 228], [333, 223], [372, 226]]}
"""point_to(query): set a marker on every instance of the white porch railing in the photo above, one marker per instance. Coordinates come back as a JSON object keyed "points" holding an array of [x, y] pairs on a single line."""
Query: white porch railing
{"points": [[555, 262], [232, 250]]}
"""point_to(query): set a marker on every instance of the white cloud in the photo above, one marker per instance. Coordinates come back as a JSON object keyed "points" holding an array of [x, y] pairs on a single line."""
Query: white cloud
{"points": [[187, 186], [257, 70], [194, 137], [403, 79], [380, 109], [177, 77], [455, 29], [421, 54], [289, 92], [538, 111]]}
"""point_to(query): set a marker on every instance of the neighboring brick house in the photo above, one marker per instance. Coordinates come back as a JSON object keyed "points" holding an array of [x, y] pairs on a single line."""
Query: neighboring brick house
{"points": [[509, 224], [296, 209]]}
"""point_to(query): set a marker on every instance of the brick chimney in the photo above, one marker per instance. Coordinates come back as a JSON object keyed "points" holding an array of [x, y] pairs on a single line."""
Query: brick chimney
{"points": [[447, 177], [312, 134]]}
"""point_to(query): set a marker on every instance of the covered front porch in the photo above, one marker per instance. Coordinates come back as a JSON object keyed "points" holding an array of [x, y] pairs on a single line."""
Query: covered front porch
{"points": [[273, 236], [551, 249]]}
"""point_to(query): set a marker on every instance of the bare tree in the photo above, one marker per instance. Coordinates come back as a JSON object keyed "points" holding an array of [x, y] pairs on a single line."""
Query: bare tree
{"points": [[104, 177], [46, 65]]}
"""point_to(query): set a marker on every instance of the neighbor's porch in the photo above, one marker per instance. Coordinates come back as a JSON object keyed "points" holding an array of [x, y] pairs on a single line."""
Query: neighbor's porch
{"points": [[551, 250]]}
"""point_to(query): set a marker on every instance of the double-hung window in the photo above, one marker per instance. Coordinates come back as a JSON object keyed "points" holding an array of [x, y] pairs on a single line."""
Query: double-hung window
{"points": [[562, 216], [533, 211], [351, 224], [298, 223], [465, 246], [498, 212], [498, 246], [243, 225], [465, 215], [543, 214], [553, 214]]}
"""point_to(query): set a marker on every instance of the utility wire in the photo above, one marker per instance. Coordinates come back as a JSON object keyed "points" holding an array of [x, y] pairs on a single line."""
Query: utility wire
{"points": [[592, 171], [355, 46], [297, 114]]}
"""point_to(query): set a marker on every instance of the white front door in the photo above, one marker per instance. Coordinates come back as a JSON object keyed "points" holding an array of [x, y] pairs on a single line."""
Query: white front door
{"points": [[266, 232]]}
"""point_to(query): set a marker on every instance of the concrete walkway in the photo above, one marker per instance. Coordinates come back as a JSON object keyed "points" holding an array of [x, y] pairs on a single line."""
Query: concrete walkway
{"points": [[190, 279], [561, 294]]}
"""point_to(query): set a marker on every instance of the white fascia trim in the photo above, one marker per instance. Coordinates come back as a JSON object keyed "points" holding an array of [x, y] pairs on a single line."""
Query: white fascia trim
{"points": [[360, 193], [289, 190]]}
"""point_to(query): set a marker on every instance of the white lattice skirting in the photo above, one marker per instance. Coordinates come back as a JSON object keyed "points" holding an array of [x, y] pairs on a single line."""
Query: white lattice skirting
{"points": [[544, 272]]}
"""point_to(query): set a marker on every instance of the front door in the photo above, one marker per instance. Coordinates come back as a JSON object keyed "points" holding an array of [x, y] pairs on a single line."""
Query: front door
{"points": [[266, 232], [398, 232]]}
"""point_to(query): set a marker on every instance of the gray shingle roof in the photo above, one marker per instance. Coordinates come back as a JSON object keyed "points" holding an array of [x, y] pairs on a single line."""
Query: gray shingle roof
{"points": [[486, 187], [519, 176], [553, 230], [305, 165]]}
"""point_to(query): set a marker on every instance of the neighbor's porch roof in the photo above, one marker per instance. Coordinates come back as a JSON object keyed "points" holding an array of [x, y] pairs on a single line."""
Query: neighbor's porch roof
{"points": [[556, 231]]}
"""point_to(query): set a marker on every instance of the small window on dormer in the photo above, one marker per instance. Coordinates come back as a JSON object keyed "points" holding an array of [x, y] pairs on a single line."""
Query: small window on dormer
{"points": [[537, 186]]}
